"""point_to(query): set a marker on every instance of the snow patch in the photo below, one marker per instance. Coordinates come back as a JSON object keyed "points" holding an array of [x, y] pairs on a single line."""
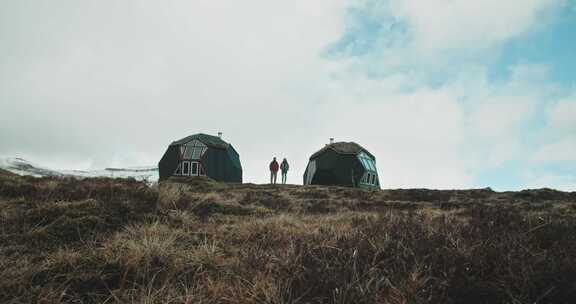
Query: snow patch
{"points": [[23, 167]]}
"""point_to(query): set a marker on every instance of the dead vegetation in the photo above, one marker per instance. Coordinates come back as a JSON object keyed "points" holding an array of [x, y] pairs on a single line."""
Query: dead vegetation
{"points": [[120, 241]]}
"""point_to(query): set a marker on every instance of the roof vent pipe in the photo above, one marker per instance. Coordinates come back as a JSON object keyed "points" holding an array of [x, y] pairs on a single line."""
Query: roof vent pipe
{"points": [[331, 140], [220, 134]]}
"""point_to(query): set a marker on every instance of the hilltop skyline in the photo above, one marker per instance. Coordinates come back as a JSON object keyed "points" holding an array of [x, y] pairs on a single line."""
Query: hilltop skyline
{"points": [[444, 94]]}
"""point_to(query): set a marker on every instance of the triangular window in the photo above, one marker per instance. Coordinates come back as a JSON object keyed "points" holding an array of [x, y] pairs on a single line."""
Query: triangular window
{"points": [[194, 150]]}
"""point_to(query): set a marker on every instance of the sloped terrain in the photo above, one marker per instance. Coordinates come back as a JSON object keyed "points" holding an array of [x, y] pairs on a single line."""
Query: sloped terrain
{"points": [[96, 240], [24, 167], [6, 173]]}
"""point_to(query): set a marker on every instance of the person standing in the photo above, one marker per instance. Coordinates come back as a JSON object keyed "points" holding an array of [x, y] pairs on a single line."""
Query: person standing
{"points": [[284, 168], [273, 171]]}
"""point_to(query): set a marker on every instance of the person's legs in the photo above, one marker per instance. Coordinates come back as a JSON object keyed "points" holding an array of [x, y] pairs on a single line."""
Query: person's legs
{"points": [[271, 176], [284, 177], [275, 177]]}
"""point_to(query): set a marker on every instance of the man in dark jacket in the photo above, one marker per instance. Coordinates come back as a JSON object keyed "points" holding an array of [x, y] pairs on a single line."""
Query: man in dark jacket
{"points": [[273, 171], [284, 168]]}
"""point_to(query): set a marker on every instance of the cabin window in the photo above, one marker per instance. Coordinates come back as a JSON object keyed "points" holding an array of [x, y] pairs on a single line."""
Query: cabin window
{"points": [[194, 169], [364, 164], [185, 168], [367, 162], [188, 168], [197, 152], [371, 177], [372, 165], [193, 150]]}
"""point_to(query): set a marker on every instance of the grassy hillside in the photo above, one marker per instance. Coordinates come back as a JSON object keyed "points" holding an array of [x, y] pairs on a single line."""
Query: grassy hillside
{"points": [[120, 241], [6, 173]]}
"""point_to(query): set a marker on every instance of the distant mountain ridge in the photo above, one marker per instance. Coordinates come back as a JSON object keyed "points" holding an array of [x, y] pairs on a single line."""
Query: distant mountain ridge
{"points": [[21, 166]]}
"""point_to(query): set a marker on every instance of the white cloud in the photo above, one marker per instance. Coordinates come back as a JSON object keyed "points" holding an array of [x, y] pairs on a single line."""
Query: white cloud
{"points": [[559, 144], [115, 83], [415, 136], [562, 116], [439, 36], [560, 151], [500, 117], [439, 137], [111, 84], [463, 24]]}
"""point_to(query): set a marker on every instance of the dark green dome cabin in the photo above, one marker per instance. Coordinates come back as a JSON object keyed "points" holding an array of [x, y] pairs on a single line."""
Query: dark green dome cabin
{"points": [[201, 155], [342, 164]]}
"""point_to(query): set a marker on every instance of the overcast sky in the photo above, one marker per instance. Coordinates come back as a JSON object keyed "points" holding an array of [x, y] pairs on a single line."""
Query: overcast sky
{"points": [[445, 94]]}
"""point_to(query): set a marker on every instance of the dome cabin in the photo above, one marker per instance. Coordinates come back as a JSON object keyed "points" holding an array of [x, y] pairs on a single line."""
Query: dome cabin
{"points": [[201, 155], [342, 164]]}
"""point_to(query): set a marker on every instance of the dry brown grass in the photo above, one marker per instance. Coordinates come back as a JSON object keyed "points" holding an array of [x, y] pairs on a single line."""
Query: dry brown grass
{"points": [[120, 241]]}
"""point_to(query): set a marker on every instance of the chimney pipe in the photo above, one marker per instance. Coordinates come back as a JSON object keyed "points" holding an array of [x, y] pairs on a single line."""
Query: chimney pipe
{"points": [[220, 134], [331, 140]]}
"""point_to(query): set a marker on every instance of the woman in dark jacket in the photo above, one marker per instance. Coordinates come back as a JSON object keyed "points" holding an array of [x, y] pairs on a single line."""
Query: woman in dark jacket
{"points": [[284, 168]]}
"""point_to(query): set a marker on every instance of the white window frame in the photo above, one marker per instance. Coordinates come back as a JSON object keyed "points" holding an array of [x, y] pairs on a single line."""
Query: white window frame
{"points": [[192, 165], [186, 164]]}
